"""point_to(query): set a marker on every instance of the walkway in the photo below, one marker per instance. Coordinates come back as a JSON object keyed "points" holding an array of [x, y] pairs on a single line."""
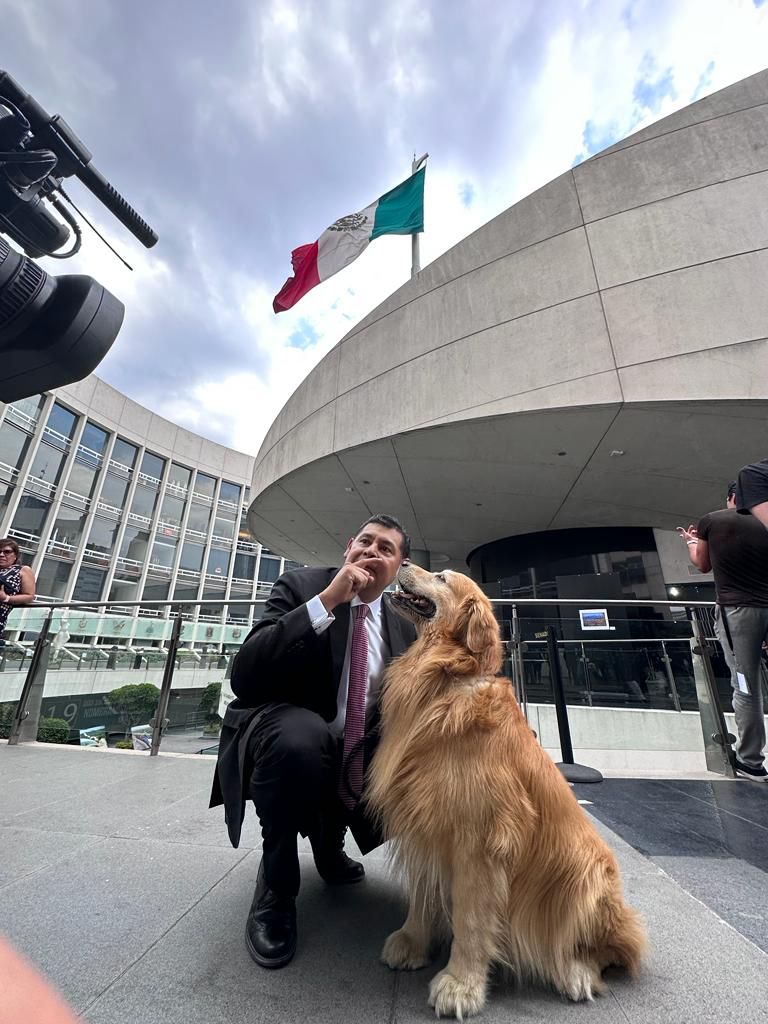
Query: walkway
{"points": [[119, 883]]}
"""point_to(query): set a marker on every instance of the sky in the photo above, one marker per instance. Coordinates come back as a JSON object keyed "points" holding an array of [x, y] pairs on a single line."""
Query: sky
{"points": [[242, 129]]}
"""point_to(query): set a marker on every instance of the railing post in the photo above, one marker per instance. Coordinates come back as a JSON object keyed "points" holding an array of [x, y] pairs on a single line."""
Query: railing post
{"points": [[27, 717], [517, 661], [717, 740], [670, 677], [158, 723], [573, 772]]}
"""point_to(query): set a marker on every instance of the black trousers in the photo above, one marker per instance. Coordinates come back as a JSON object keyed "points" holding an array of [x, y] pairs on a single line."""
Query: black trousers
{"points": [[293, 766]]}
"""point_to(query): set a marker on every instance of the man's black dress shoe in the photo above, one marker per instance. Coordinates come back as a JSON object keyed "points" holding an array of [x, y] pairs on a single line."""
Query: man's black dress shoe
{"points": [[333, 865], [270, 931]]}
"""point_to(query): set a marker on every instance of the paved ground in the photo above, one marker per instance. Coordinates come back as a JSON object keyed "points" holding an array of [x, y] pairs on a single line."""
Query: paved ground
{"points": [[121, 886]]}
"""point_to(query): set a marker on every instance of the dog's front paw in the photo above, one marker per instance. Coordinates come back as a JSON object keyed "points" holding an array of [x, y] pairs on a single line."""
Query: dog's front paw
{"points": [[401, 952], [454, 997], [581, 982]]}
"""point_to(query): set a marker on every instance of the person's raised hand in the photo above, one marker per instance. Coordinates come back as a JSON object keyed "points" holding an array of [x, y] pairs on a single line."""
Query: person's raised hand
{"points": [[351, 578], [690, 534]]}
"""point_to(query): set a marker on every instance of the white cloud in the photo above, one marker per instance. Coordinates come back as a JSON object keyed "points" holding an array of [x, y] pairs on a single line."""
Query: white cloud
{"points": [[320, 107]]}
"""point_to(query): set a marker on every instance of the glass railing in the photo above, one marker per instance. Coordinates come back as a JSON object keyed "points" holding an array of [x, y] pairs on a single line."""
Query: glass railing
{"points": [[150, 674]]}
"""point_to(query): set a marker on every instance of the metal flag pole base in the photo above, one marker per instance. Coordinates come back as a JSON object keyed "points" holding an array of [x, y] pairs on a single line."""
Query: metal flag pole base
{"points": [[579, 773]]}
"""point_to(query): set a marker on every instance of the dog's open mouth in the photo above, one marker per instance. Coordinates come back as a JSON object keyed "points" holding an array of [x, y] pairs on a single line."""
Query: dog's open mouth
{"points": [[415, 603]]}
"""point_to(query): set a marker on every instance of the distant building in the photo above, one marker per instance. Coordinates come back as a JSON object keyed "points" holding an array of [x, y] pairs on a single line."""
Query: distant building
{"points": [[109, 501]]}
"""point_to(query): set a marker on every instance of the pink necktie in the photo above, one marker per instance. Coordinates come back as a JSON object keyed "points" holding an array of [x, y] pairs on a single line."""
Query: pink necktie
{"points": [[351, 781]]}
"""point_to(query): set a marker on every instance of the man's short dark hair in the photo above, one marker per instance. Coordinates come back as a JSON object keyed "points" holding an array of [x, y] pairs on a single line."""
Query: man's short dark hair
{"points": [[391, 524], [731, 490]]}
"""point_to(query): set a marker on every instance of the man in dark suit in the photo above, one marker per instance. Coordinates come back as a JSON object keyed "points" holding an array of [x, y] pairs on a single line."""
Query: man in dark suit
{"points": [[302, 730]]}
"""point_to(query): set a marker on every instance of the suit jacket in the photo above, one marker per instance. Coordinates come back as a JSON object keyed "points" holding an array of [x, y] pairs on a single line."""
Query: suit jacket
{"points": [[284, 661]]}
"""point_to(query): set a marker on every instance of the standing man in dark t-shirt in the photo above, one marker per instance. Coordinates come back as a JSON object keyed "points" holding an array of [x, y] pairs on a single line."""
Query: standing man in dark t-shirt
{"points": [[752, 490], [735, 548]]}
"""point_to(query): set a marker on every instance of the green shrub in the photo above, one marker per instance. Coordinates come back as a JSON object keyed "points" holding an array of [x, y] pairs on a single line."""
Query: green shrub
{"points": [[209, 702], [53, 730], [134, 704], [124, 744], [6, 720]]}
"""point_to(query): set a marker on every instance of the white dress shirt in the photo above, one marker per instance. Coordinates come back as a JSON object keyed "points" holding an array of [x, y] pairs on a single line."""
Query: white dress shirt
{"points": [[378, 650]]}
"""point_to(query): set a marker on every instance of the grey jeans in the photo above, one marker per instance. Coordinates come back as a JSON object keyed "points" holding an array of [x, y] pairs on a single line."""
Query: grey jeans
{"points": [[748, 627]]}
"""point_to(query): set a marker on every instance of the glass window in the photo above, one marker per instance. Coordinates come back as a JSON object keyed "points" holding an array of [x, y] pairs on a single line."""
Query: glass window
{"points": [[5, 496], [94, 438], [124, 590], [114, 490], [62, 420], [52, 577], [199, 517], [102, 535], [163, 554], [30, 406], [245, 566], [135, 544], [205, 485], [172, 510], [291, 565], [155, 590], [82, 479], [269, 570], [152, 465], [47, 464], [31, 514], [144, 500], [179, 476], [185, 591], [192, 557], [13, 445], [244, 533], [124, 452], [223, 527], [218, 562], [229, 492], [68, 528], [89, 584]]}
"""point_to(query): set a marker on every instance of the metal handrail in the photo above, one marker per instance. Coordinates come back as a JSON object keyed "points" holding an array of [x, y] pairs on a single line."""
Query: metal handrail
{"points": [[504, 601], [29, 703]]}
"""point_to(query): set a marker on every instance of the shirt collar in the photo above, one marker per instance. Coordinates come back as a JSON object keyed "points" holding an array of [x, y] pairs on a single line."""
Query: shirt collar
{"points": [[373, 606]]}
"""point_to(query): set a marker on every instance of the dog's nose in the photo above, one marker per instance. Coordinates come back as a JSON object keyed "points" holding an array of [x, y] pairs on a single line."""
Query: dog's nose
{"points": [[406, 562]]}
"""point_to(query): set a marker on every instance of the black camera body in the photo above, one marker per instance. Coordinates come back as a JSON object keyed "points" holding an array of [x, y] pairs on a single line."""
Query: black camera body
{"points": [[53, 330]]}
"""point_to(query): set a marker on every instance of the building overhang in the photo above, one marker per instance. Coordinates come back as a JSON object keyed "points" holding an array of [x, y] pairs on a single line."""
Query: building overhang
{"points": [[459, 485]]}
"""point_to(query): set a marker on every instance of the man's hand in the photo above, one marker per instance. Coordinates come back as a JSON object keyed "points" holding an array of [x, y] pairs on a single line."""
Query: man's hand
{"points": [[348, 581], [690, 534]]}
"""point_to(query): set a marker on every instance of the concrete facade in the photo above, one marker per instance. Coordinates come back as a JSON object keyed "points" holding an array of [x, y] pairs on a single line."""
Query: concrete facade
{"points": [[596, 355]]}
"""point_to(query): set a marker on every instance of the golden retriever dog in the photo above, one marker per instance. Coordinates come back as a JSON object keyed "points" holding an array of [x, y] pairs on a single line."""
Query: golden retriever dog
{"points": [[497, 853]]}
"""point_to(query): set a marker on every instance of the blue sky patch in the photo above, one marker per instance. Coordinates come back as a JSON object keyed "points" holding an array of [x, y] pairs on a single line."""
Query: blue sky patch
{"points": [[304, 335], [705, 81], [650, 93], [466, 193]]}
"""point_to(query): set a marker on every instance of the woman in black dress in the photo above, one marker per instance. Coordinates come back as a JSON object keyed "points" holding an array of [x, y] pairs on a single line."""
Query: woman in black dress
{"points": [[17, 581]]}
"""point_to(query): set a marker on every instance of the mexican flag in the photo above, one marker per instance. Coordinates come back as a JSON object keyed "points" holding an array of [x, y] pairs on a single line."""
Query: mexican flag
{"points": [[398, 212]]}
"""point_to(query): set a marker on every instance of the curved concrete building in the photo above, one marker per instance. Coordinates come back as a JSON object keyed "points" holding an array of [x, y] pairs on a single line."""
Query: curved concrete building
{"points": [[594, 357]]}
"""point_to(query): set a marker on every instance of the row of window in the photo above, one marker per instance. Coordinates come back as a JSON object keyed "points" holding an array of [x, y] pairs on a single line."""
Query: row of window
{"points": [[134, 505]]}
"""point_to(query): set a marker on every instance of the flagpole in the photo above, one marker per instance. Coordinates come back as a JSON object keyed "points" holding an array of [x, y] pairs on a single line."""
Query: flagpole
{"points": [[415, 254]]}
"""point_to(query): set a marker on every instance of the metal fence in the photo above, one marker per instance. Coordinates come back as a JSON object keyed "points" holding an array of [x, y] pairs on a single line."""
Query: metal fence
{"points": [[637, 654]]}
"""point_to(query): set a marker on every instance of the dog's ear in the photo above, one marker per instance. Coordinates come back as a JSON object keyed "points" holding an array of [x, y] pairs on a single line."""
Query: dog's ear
{"points": [[476, 625]]}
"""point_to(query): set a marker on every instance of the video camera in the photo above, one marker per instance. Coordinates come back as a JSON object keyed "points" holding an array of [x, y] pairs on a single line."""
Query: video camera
{"points": [[53, 330]]}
